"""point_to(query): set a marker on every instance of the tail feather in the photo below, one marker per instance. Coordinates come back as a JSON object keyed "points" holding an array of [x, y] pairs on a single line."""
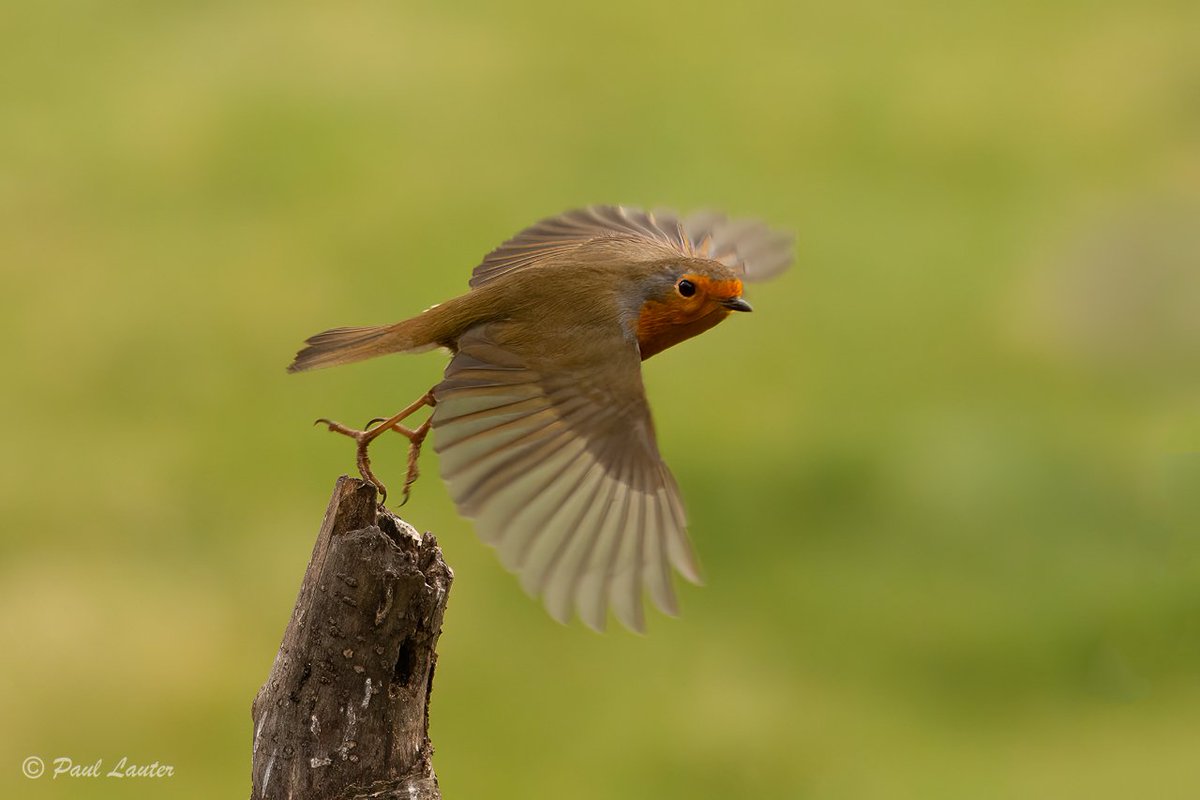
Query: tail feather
{"points": [[347, 345]]}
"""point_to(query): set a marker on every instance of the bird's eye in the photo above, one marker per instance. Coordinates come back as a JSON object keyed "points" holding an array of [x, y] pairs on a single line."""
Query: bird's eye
{"points": [[685, 288]]}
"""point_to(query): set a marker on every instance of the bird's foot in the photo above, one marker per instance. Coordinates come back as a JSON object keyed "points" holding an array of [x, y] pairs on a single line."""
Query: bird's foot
{"points": [[372, 431], [416, 438]]}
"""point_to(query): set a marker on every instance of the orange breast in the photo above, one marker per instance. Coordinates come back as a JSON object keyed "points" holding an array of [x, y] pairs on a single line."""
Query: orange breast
{"points": [[663, 325]]}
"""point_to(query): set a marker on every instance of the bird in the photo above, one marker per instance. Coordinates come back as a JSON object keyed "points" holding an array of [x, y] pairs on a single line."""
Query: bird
{"points": [[541, 424]]}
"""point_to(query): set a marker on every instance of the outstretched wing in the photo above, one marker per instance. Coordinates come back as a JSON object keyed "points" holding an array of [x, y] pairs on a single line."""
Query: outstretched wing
{"points": [[561, 473], [745, 245]]}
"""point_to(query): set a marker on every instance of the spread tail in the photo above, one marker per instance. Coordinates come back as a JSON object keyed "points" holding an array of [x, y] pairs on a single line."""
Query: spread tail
{"points": [[347, 345]]}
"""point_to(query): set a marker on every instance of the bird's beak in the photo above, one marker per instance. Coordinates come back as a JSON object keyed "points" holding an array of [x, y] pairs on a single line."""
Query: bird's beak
{"points": [[737, 304]]}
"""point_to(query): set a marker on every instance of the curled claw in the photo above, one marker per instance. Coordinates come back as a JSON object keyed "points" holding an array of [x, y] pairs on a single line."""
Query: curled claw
{"points": [[414, 451], [362, 440]]}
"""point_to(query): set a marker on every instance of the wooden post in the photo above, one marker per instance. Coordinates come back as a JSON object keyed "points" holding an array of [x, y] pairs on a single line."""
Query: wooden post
{"points": [[344, 712]]}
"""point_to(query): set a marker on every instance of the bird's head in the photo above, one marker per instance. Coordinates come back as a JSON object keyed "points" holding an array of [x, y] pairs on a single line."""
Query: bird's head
{"points": [[683, 299]]}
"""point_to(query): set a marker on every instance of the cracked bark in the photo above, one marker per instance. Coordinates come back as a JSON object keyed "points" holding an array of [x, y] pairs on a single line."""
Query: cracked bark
{"points": [[344, 712]]}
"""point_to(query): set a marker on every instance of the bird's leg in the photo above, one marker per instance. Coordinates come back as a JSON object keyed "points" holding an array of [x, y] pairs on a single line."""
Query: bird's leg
{"points": [[415, 438], [364, 438]]}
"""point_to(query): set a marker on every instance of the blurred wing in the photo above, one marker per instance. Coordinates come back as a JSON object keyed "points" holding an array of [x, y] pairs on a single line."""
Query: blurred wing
{"points": [[748, 246], [745, 245], [562, 476]]}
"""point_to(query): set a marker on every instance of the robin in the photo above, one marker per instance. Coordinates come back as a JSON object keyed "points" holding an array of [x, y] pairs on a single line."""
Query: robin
{"points": [[542, 428]]}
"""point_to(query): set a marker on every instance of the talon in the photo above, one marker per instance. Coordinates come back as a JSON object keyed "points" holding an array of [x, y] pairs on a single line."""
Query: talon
{"points": [[416, 439]]}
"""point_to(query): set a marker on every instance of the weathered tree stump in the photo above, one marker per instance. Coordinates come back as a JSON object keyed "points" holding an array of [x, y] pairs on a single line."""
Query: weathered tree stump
{"points": [[344, 712]]}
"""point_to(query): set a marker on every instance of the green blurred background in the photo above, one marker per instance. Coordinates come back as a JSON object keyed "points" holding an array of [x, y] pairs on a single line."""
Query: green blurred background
{"points": [[944, 481]]}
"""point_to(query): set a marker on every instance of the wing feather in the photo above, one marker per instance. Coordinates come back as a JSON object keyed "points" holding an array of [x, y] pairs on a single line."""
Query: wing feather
{"points": [[625, 591], [564, 480], [499, 478], [564, 586], [530, 499], [745, 245], [571, 530], [679, 549], [654, 557], [585, 575], [593, 586]]}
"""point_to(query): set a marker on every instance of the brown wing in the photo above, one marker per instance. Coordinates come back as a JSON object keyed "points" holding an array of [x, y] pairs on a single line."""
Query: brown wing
{"points": [[745, 245], [562, 476]]}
